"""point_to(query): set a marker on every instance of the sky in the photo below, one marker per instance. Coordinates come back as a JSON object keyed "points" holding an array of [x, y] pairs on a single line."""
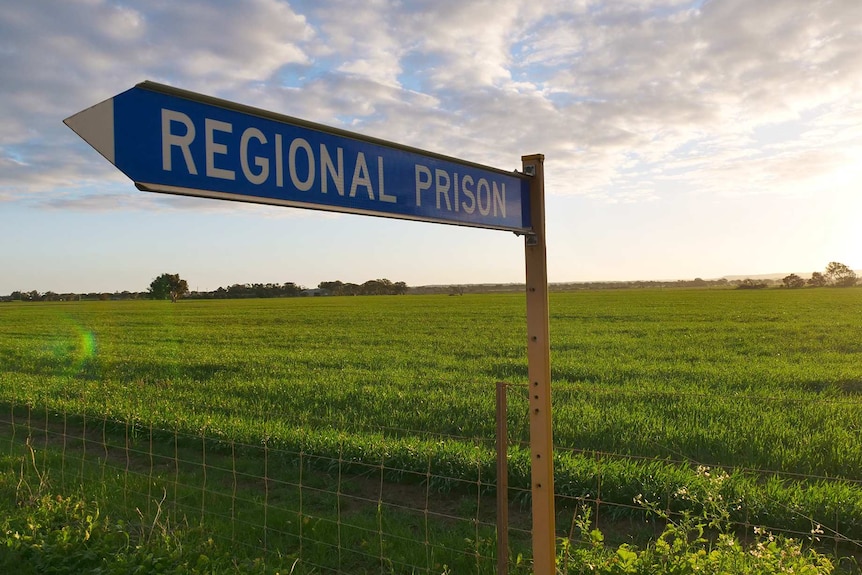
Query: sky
{"points": [[682, 138]]}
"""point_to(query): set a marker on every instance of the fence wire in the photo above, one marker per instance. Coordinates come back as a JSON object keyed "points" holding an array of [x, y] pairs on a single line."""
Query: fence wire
{"points": [[295, 509], [384, 510]]}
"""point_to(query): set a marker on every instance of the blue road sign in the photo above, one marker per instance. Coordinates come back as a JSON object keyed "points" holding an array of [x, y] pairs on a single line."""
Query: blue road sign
{"points": [[178, 142]]}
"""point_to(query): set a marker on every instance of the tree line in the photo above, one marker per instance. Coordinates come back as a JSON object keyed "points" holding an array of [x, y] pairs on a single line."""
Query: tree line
{"points": [[836, 274], [290, 289], [371, 287], [173, 287]]}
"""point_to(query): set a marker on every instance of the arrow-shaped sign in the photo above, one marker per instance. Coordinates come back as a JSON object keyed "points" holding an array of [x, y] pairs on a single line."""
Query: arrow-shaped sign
{"points": [[179, 142]]}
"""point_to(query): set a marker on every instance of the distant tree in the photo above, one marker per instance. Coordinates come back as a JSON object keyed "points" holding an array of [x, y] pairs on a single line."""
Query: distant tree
{"points": [[332, 288], [168, 285], [371, 287], [382, 287], [239, 290], [840, 275], [351, 289], [817, 280], [793, 281], [749, 283], [291, 289]]}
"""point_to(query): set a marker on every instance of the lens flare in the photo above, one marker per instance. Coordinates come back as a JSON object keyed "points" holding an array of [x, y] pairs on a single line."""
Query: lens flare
{"points": [[74, 347], [86, 348]]}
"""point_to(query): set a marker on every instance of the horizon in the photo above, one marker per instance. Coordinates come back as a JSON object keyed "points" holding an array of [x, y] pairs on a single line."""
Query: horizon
{"points": [[729, 278], [682, 138]]}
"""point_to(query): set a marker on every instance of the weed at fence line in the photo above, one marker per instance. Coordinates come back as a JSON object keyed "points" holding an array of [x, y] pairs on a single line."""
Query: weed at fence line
{"points": [[44, 531], [702, 542]]}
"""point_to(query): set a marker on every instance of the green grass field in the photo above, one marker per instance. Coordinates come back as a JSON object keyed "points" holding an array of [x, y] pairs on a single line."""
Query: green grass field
{"points": [[755, 381]]}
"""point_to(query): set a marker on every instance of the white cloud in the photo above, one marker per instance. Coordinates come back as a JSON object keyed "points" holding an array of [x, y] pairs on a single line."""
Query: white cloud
{"points": [[365, 39], [700, 79], [56, 60], [223, 43], [623, 98]]}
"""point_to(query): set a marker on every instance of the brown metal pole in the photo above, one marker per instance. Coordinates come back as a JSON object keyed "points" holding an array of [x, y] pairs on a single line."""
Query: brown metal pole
{"points": [[539, 371], [502, 481]]}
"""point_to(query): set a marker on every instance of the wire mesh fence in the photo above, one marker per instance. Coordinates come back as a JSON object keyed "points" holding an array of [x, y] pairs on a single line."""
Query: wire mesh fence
{"points": [[345, 497], [339, 512]]}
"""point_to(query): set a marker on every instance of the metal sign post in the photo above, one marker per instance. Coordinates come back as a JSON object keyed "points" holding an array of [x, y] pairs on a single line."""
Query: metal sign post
{"points": [[174, 141], [539, 371]]}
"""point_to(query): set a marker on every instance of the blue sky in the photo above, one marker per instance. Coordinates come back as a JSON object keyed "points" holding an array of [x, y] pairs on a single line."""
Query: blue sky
{"points": [[682, 139]]}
